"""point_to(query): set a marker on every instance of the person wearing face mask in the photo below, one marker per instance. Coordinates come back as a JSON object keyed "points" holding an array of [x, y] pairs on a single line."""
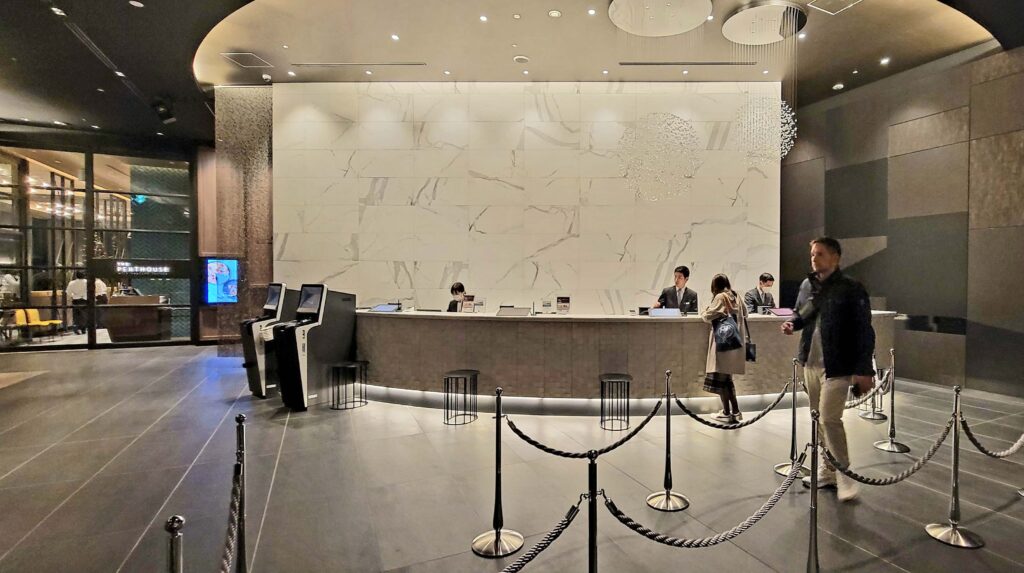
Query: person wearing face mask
{"points": [[458, 293], [678, 295], [836, 344]]}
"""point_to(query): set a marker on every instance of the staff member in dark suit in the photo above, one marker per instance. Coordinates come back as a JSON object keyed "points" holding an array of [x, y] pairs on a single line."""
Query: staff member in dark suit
{"points": [[458, 291], [758, 297], [678, 296]]}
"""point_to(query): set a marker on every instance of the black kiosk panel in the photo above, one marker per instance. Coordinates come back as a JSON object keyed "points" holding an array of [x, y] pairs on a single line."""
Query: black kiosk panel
{"points": [[257, 344]]}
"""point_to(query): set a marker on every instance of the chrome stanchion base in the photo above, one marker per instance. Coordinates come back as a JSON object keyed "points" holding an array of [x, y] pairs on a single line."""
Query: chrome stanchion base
{"points": [[955, 535], [892, 446], [668, 501], [784, 469], [1020, 492], [494, 544], [873, 416]]}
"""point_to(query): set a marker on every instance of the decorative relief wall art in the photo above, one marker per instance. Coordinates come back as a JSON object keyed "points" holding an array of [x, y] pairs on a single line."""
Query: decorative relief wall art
{"points": [[662, 153]]}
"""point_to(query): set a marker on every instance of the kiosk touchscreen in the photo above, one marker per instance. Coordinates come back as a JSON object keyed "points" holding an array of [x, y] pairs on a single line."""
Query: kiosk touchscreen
{"points": [[257, 345], [323, 333]]}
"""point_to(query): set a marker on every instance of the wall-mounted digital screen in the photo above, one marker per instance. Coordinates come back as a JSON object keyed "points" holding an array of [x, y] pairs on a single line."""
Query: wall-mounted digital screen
{"points": [[221, 281], [309, 298], [273, 296]]}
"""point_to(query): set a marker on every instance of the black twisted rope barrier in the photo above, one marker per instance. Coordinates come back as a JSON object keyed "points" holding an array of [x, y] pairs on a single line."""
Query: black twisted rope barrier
{"points": [[227, 557], [583, 455], [735, 425], [714, 539], [898, 477], [545, 541], [882, 389], [1002, 454]]}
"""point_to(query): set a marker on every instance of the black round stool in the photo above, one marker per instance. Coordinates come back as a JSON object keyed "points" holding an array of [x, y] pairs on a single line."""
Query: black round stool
{"points": [[615, 401], [348, 392], [460, 397]]}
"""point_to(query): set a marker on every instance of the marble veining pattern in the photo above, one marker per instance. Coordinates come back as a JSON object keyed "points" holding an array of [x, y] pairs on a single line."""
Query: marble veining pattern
{"points": [[520, 190]]}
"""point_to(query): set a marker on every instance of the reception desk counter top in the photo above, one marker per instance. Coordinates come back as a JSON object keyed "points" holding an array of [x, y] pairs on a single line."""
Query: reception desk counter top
{"points": [[561, 356]]}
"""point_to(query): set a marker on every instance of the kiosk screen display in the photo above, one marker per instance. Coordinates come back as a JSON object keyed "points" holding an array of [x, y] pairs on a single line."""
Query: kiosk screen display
{"points": [[221, 281], [309, 299], [273, 297]]}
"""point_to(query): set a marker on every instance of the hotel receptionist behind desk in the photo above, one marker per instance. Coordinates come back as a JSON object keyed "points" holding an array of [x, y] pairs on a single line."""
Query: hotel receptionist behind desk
{"points": [[677, 295]]}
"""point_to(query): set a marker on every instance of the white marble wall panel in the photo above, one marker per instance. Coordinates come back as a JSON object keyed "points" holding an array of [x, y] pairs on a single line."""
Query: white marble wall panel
{"points": [[520, 190]]}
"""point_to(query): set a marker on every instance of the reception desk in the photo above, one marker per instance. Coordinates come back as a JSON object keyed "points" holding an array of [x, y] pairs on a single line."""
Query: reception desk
{"points": [[561, 356]]}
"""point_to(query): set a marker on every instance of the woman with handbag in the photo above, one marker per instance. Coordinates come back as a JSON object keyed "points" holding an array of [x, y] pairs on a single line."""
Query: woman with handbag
{"points": [[726, 354]]}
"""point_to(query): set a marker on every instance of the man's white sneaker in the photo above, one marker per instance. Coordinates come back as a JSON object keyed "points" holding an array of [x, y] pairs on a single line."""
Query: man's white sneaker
{"points": [[825, 479], [848, 490]]}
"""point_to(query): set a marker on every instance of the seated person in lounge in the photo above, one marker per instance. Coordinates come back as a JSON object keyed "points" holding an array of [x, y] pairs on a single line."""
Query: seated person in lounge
{"points": [[678, 295], [458, 291], [760, 296]]}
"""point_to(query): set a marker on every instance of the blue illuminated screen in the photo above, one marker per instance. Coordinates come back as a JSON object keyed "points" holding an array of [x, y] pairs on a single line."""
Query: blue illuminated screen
{"points": [[221, 281]]}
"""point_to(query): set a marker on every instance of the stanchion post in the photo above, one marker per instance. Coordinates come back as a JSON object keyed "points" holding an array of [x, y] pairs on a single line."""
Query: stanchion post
{"points": [[668, 500], [874, 414], [1020, 492], [592, 508], [784, 468], [240, 564], [498, 542], [952, 533], [891, 445], [812, 540], [175, 563]]}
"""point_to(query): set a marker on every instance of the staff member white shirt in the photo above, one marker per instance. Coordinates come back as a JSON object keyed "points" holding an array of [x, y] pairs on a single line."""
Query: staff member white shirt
{"points": [[78, 289]]}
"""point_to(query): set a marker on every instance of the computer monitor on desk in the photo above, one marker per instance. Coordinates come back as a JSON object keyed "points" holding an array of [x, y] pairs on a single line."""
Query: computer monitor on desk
{"points": [[665, 312]]}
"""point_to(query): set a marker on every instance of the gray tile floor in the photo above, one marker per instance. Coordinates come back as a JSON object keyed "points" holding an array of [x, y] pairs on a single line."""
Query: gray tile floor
{"points": [[99, 449]]}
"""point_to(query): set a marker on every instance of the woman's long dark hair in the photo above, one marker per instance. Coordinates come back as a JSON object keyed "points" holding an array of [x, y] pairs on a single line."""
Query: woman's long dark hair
{"points": [[720, 283]]}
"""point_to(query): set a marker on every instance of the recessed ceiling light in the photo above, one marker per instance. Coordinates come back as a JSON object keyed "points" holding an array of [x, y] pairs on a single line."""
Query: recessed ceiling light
{"points": [[159, 133], [838, 86], [515, 45], [516, 16], [57, 11], [686, 72], [24, 119], [711, 17], [884, 61], [94, 126], [55, 122], [119, 74], [856, 71], [555, 13], [285, 46], [447, 73], [291, 73], [136, 3], [101, 90], [526, 72], [395, 37], [764, 72], [591, 11], [802, 35], [483, 18], [605, 72], [369, 72]]}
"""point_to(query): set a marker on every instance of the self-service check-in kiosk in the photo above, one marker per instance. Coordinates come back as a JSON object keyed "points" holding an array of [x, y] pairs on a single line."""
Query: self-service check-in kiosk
{"points": [[323, 333], [257, 341]]}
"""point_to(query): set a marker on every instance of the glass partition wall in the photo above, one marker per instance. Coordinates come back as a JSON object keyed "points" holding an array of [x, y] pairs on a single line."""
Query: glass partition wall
{"points": [[94, 249]]}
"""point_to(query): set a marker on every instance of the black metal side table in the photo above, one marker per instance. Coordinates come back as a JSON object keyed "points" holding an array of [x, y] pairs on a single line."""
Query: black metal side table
{"points": [[348, 384], [615, 401], [460, 406]]}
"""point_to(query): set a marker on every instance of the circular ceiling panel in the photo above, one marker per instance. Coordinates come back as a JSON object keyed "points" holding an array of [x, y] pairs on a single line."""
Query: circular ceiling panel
{"points": [[657, 18], [763, 23]]}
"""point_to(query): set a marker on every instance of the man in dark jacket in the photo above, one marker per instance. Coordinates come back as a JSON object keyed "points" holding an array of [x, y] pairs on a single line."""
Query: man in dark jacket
{"points": [[678, 295], [836, 343]]}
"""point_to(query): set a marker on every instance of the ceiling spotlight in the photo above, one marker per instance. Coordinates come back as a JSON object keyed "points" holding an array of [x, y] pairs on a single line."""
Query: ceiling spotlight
{"points": [[591, 12], [57, 11], [101, 90], [483, 18], [447, 73], [856, 72], [711, 17], [159, 133], [164, 112], [686, 72], [119, 74], [516, 16], [526, 72], [136, 3], [555, 13], [764, 72], [55, 122], [515, 45], [884, 61], [291, 73], [802, 35], [838, 86], [605, 72], [369, 72], [285, 46], [266, 78], [395, 37], [94, 126], [24, 119]]}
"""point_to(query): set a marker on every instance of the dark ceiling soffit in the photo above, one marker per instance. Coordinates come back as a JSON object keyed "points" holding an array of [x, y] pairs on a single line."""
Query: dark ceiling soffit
{"points": [[78, 141], [1004, 19]]}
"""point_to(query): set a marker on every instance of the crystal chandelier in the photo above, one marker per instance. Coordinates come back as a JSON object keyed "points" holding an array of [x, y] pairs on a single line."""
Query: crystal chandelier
{"points": [[661, 154]]}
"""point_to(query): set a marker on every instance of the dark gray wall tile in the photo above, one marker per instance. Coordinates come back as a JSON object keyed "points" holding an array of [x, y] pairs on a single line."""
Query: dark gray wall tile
{"points": [[995, 272], [811, 138], [928, 255], [932, 94], [855, 200], [929, 182], [997, 106], [856, 133], [997, 66], [994, 359], [997, 180], [930, 356], [803, 195], [935, 130]]}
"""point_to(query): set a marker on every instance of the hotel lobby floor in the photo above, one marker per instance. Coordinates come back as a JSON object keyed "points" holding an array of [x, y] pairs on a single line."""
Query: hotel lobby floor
{"points": [[98, 449]]}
